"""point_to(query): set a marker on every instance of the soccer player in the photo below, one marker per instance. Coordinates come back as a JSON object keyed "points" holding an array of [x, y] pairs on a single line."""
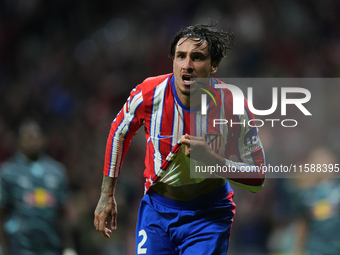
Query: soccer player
{"points": [[33, 199], [179, 214]]}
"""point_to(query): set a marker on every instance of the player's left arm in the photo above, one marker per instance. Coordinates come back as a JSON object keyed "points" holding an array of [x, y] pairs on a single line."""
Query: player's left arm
{"points": [[246, 174], [245, 144], [247, 171]]}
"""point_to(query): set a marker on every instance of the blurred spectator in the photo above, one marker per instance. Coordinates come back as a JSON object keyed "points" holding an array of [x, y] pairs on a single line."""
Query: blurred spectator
{"points": [[317, 205], [34, 213], [314, 209]]}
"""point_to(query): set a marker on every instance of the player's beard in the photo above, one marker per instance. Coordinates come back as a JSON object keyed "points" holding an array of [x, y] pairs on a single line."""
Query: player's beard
{"points": [[195, 96], [192, 92]]}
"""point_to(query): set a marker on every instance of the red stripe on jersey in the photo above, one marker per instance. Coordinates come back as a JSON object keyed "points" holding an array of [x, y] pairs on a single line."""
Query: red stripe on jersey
{"points": [[167, 122], [187, 127]]}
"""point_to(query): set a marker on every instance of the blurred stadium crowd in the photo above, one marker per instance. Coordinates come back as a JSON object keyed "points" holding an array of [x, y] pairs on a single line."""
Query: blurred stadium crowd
{"points": [[72, 64]]}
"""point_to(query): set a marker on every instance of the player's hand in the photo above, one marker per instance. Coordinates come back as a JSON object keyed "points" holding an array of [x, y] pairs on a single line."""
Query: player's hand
{"points": [[106, 210], [196, 148]]}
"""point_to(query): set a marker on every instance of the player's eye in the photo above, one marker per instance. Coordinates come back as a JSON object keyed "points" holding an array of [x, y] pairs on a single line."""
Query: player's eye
{"points": [[198, 57], [181, 56]]}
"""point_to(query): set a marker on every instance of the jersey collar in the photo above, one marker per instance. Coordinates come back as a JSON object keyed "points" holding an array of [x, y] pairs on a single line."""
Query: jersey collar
{"points": [[187, 109]]}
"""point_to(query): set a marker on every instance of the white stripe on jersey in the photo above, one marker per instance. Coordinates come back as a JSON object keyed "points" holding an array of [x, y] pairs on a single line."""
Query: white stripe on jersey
{"points": [[200, 124], [178, 124], [122, 129], [155, 124], [224, 130]]}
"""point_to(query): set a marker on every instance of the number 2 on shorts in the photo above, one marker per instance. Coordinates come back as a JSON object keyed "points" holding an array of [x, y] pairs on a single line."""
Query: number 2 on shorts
{"points": [[141, 250]]}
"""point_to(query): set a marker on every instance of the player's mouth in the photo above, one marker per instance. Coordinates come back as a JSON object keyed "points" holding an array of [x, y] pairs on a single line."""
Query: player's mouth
{"points": [[187, 79]]}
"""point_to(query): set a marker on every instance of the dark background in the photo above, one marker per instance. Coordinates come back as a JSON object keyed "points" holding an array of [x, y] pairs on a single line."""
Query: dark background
{"points": [[71, 64]]}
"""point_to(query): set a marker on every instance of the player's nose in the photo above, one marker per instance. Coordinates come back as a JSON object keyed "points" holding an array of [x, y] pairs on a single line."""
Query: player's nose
{"points": [[188, 65]]}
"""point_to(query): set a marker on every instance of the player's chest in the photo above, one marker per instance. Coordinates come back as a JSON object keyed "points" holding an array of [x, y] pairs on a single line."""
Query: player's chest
{"points": [[167, 124]]}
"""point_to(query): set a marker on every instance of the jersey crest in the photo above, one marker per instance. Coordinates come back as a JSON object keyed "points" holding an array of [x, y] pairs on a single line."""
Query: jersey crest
{"points": [[213, 140]]}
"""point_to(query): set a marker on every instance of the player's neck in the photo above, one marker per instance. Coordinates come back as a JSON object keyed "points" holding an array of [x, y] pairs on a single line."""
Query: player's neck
{"points": [[189, 101]]}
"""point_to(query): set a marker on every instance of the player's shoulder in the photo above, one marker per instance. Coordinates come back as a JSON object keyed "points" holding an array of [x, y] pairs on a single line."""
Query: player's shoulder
{"points": [[150, 83], [157, 79], [231, 93], [227, 95]]}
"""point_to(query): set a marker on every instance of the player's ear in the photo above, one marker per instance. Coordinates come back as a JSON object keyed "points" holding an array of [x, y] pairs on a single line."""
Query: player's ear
{"points": [[213, 68]]}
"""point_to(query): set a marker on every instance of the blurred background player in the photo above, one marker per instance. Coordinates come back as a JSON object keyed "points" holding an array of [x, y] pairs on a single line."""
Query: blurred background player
{"points": [[34, 200], [315, 203], [180, 214]]}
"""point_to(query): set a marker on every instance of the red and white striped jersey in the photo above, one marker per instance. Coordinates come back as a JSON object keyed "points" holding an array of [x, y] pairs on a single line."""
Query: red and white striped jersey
{"points": [[155, 104]]}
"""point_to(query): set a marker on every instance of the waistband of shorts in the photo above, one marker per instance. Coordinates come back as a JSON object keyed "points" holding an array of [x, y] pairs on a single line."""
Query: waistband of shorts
{"points": [[196, 203]]}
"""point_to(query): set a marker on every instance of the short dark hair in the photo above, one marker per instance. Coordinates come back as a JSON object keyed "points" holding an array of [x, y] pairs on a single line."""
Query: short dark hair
{"points": [[219, 41]]}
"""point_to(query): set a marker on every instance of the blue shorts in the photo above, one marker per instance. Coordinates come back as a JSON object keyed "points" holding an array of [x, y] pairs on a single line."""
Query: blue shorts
{"points": [[200, 226]]}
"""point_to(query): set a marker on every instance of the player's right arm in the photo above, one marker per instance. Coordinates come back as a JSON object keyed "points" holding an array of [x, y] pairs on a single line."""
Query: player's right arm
{"points": [[123, 128], [107, 207]]}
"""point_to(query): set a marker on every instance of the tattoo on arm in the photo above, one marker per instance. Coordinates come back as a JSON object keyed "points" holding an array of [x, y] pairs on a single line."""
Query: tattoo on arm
{"points": [[106, 198], [107, 186]]}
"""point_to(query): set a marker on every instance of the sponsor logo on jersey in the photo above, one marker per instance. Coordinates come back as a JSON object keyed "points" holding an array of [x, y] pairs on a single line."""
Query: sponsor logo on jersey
{"points": [[40, 198], [324, 210]]}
